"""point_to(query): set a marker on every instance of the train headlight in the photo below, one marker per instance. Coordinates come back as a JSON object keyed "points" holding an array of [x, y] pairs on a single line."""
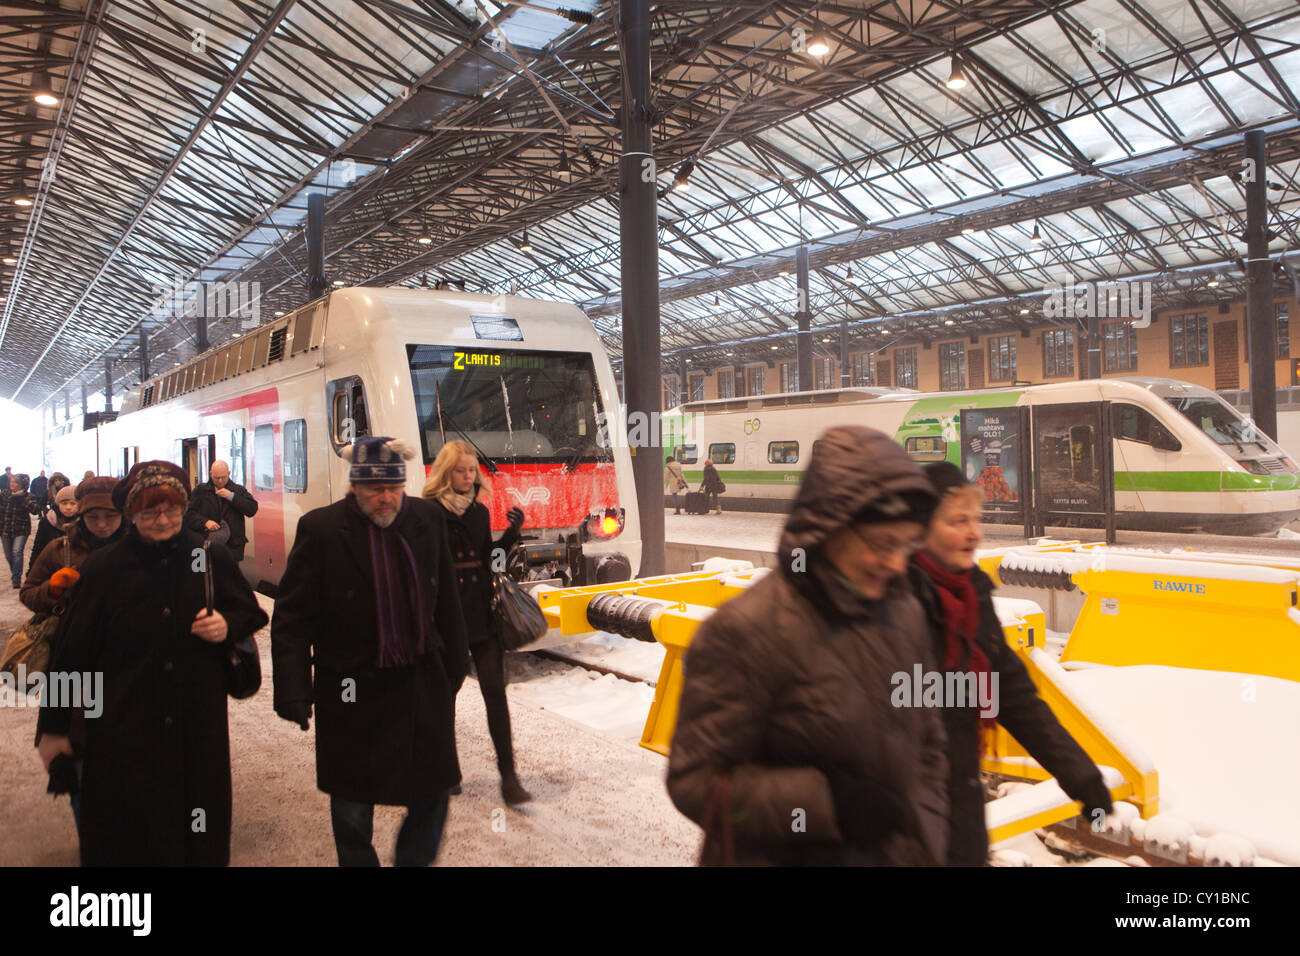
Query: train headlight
{"points": [[1252, 466], [603, 525]]}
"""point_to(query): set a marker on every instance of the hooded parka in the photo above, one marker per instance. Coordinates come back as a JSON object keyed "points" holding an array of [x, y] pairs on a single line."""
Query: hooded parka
{"points": [[383, 735], [790, 683], [1020, 710], [160, 750]]}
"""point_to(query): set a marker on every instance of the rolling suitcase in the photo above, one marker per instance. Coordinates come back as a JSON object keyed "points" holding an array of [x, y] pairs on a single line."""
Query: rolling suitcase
{"points": [[696, 503]]}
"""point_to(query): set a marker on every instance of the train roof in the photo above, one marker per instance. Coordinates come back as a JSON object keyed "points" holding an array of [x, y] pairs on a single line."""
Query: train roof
{"points": [[1162, 387]]}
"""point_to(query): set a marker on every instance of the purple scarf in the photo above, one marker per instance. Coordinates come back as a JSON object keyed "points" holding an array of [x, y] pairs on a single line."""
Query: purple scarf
{"points": [[398, 595]]}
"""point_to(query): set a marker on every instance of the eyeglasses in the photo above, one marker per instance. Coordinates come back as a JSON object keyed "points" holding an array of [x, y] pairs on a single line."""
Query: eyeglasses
{"points": [[153, 514], [880, 549]]}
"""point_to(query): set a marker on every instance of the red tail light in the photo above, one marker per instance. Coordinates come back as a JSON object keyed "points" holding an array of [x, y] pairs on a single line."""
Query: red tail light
{"points": [[604, 525]]}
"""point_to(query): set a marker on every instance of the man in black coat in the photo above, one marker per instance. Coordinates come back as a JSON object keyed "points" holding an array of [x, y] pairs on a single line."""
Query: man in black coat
{"points": [[39, 484], [220, 501], [369, 596]]}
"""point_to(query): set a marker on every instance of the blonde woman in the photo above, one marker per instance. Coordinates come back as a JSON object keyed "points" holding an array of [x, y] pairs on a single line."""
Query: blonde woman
{"points": [[459, 487]]}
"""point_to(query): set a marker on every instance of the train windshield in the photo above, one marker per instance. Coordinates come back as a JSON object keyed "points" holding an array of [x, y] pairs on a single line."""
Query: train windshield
{"points": [[511, 405], [1219, 420]]}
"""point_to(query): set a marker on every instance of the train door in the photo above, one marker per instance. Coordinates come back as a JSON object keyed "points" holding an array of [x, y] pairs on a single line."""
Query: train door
{"points": [[190, 460], [1074, 475]]}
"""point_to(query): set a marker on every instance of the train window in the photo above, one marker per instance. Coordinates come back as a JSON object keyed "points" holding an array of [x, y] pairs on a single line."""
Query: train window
{"points": [[348, 416], [496, 327], [264, 458], [688, 454], [295, 456], [237, 456], [302, 331], [1131, 423], [782, 452], [927, 449], [723, 453]]}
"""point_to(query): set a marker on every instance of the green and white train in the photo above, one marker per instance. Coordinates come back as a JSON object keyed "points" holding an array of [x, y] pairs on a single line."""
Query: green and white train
{"points": [[1182, 458]]}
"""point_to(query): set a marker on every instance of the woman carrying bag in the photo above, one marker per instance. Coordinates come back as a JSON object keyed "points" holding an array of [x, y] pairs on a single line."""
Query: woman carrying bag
{"points": [[456, 484], [155, 788]]}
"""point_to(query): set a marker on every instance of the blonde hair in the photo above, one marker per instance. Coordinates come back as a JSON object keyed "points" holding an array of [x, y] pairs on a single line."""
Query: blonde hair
{"points": [[449, 457]]}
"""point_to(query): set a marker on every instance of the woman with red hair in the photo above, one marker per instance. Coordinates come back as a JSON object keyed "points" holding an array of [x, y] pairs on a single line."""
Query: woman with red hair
{"points": [[155, 788]]}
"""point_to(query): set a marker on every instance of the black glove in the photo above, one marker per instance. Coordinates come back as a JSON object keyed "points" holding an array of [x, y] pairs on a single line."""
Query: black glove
{"points": [[516, 518], [867, 811], [297, 712], [1094, 796], [63, 775]]}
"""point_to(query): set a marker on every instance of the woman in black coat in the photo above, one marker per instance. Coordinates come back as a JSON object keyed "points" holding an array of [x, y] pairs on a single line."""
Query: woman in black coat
{"points": [[55, 522], [958, 600], [457, 485], [155, 789], [711, 486]]}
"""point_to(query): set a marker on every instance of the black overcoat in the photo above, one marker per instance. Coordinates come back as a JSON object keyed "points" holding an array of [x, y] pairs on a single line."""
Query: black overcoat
{"points": [[470, 536], [383, 735], [160, 750], [206, 505]]}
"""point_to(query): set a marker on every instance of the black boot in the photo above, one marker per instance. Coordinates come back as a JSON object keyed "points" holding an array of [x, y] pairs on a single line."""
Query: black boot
{"points": [[512, 789]]}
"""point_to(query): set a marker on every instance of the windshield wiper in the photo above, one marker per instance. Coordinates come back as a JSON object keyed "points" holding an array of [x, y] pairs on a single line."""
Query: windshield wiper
{"points": [[572, 464], [483, 457]]}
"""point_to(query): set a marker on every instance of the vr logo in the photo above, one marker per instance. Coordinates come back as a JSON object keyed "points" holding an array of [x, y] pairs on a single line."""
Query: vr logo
{"points": [[536, 493]]}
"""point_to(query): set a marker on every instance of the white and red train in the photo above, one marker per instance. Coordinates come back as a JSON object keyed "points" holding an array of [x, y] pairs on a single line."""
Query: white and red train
{"points": [[525, 382]]}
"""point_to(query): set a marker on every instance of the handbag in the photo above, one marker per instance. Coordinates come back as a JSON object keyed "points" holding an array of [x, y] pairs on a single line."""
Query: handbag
{"points": [[243, 662], [519, 620], [31, 644]]}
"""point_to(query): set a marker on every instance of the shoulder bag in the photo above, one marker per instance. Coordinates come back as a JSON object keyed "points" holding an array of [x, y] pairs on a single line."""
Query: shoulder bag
{"points": [[243, 663], [31, 644], [519, 620]]}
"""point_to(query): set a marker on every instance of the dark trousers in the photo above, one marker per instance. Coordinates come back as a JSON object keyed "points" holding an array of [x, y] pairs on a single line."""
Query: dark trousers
{"points": [[417, 840], [490, 668]]}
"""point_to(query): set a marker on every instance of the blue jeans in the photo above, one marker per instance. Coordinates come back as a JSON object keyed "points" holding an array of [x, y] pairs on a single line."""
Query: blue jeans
{"points": [[676, 506], [14, 547], [417, 840]]}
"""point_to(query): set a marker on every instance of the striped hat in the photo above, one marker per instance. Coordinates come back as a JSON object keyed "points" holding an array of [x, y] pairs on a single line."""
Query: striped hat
{"points": [[378, 460], [148, 474]]}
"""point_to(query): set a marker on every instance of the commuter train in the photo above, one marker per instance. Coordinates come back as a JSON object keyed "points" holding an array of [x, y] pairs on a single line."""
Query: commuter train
{"points": [[1183, 459], [526, 383]]}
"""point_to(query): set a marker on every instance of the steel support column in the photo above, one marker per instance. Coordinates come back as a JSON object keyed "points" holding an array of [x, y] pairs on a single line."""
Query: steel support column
{"points": [[1094, 346], [683, 390], [144, 355], [316, 286], [639, 263], [1260, 318], [845, 380], [803, 338], [85, 399], [108, 384]]}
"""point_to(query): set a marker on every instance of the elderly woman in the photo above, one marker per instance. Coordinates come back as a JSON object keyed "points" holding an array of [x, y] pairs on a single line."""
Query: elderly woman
{"points": [[56, 520], [966, 636], [788, 748], [458, 486], [155, 789], [16, 509]]}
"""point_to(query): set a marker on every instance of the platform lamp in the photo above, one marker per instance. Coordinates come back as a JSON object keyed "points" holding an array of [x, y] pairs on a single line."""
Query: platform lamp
{"points": [[956, 75], [525, 246], [43, 93]]}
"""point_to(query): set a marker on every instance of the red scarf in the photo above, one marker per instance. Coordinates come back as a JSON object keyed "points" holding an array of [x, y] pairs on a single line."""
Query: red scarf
{"points": [[961, 614]]}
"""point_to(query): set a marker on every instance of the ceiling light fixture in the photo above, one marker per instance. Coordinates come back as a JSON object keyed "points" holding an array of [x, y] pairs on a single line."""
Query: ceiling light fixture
{"points": [[10, 260], [339, 282], [564, 169], [682, 181], [1213, 283], [525, 246], [1024, 311], [717, 301], [425, 240], [817, 46], [849, 275], [956, 76], [1037, 236], [22, 200]]}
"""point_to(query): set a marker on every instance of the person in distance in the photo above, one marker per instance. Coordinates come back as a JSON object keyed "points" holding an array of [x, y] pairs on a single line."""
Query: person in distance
{"points": [[459, 487], [958, 600], [788, 750]]}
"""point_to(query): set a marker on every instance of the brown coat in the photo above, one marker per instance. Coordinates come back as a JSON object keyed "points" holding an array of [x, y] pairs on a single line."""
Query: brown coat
{"points": [[791, 682], [65, 551]]}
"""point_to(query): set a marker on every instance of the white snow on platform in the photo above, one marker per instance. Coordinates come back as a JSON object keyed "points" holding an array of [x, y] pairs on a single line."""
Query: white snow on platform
{"points": [[1226, 763], [750, 530], [640, 659], [603, 702]]}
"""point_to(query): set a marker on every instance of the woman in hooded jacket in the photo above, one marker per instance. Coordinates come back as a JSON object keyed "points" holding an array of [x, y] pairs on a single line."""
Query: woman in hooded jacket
{"points": [[788, 748], [54, 523], [458, 486], [966, 636]]}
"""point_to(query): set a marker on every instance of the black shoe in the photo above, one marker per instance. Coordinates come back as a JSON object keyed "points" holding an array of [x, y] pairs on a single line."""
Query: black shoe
{"points": [[455, 791], [513, 790]]}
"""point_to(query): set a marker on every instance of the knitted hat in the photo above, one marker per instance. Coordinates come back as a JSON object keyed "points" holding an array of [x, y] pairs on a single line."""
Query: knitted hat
{"points": [[944, 476], [66, 493], [94, 493], [378, 460], [148, 474]]}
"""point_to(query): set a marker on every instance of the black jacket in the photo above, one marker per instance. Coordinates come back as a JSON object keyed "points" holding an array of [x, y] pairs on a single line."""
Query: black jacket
{"points": [[470, 537], [206, 505], [712, 481], [160, 749], [790, 683], [383, 735], [45, 533], [1021, 711], [16, 510], [39, 485]]}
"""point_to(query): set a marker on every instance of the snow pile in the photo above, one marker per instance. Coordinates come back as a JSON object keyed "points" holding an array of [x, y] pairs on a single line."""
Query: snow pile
{"points": [[1228, 849], [640, 659], [602, 702], [1168, 835]]}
